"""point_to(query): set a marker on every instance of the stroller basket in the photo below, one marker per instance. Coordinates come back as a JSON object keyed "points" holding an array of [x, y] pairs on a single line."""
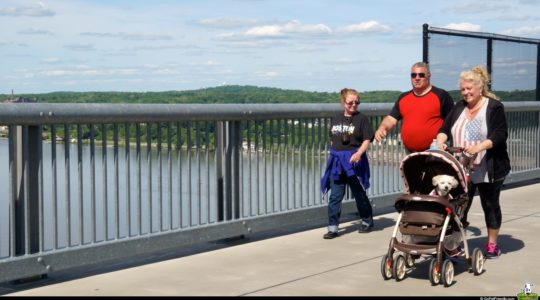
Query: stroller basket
{"points": [[424, 214], [422, 218]]}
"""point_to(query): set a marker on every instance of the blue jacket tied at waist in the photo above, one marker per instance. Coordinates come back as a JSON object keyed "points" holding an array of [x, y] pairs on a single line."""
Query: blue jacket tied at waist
{"points": [[339, 163]]}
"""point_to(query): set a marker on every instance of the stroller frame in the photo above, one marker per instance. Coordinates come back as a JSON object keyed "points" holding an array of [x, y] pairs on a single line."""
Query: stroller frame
{"points": [[432, 219]]}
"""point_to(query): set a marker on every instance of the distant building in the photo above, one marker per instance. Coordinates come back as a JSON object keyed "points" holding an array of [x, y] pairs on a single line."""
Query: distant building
{"points": [[19, 100], [13, 99]]}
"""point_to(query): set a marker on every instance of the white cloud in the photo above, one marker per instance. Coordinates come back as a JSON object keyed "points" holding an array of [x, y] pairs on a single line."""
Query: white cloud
{"points": [[80, 47], [533, 31], [226, 22], [130, 36], [288, 30], [266, 31], [32, 31], [366, 27], [463, 26], [354, 61], [51, 60], [39, 9], [267, 74], [291, 28], [480, 6], [295, 29], [509, 16]]}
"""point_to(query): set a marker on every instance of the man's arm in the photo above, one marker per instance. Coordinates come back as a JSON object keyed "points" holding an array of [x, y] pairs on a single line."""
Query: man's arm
{"points": [[387, 124]]}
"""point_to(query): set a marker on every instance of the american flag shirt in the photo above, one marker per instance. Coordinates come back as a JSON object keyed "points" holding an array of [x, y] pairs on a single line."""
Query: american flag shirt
{"points": [[469, 132]]}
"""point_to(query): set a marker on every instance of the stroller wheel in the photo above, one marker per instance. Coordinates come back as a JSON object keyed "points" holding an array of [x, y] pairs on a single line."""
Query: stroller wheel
{"points": [[447, 273], [434, 272], [399, 268], [386, 267], [477, 262], [409, 260]]}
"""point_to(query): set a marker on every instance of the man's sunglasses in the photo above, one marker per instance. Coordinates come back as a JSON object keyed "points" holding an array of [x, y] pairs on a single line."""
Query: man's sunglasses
{"points": [[421, 75]]}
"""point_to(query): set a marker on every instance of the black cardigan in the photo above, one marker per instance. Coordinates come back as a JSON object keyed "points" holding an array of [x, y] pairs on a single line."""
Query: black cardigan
{"points": [[498, 162]]}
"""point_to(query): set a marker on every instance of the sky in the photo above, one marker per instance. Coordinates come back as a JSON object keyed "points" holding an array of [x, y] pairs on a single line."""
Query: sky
{"points": [[166, 45]]}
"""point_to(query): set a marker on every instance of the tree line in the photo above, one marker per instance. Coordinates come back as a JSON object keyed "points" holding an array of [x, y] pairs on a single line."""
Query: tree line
{"points": [[237, 94]]}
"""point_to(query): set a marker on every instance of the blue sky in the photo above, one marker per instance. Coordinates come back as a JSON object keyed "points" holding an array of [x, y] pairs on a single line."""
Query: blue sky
{"points": [[162, 45]]}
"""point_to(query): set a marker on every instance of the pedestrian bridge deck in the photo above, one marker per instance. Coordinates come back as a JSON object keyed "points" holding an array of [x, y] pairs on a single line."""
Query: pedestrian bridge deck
{"points": [[304, 264]]}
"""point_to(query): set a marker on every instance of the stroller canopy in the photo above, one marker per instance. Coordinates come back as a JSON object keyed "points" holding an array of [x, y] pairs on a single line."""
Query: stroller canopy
{"points": [[417, 170]]}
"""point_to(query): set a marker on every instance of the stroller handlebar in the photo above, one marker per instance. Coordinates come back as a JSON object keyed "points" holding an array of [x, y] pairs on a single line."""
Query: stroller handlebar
{"points": [[453, 150], [466, 160]]}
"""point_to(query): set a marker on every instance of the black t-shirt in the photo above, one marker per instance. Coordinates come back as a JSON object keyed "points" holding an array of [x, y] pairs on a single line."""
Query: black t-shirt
{"points": [[357, 127]]}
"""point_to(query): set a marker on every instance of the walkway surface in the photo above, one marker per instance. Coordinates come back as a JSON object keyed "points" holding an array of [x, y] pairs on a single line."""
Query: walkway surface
{"points": [[304, 264]]}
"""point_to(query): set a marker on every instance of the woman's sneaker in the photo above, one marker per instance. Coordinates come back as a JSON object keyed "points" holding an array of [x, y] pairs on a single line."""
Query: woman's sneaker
{"points": [[492, 250]]}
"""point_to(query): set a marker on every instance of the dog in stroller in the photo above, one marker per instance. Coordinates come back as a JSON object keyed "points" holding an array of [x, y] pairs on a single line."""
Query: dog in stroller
{"points": [[429, 224]]}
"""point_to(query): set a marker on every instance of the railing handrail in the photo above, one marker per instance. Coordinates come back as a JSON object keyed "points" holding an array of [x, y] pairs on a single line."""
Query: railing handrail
{"points": [[70, 113]]}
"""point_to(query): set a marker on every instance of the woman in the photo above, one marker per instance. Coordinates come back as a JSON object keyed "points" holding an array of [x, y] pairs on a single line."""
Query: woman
{"points": [[350, 136], [478, 124]]}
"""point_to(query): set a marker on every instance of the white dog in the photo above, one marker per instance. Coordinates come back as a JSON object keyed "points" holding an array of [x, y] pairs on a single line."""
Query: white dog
{"points": [[443, 184]]}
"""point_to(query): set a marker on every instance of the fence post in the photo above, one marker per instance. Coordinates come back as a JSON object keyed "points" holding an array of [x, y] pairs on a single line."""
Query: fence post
{"points": [[538, 72], [425, 43], [489, 60]]}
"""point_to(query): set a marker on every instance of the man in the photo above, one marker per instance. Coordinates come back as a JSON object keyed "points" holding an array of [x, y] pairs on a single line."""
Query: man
{"points": [[422, 110]]}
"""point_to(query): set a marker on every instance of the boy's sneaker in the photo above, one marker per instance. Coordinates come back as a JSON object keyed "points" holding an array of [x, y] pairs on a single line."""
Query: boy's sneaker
{"points": [[492, 250], [330, 235], [365, 226]]}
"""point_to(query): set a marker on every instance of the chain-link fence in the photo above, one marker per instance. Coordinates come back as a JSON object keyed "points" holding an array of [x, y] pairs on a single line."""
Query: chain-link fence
{"points": [[513, 62]]}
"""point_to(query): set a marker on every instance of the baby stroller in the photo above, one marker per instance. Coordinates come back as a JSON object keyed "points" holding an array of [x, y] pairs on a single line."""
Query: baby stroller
{"points": [[427, 224]]}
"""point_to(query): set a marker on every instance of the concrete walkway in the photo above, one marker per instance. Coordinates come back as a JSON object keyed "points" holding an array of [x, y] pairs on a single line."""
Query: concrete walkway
{"points": [[304, 264]]}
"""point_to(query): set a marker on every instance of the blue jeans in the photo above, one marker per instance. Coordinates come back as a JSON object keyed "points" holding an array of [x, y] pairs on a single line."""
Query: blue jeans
{"points": [[337, 192]]}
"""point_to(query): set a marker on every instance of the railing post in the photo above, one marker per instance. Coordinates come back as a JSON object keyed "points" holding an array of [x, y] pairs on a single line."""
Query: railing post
{"points": [[17, 190], [235, 147], [35, 140], [219, 145], [231, 165], [228, 147], [25, 167]]}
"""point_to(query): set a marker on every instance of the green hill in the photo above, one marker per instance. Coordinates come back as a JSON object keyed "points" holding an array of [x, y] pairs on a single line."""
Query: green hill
{"points": [[234, 94], [222, 94]]}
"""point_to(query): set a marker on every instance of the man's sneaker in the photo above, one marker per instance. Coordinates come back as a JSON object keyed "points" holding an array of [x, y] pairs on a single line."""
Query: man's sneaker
{"points": [[492, 250], [365, 226], [330, 235]]}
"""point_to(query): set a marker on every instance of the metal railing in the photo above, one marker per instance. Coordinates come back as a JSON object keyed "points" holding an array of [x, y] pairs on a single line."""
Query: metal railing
{"points": [[88, 183]]}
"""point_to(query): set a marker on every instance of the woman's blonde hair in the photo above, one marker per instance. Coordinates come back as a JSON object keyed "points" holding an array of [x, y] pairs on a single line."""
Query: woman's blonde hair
{"points": [[344, 92], [479, 77]]}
